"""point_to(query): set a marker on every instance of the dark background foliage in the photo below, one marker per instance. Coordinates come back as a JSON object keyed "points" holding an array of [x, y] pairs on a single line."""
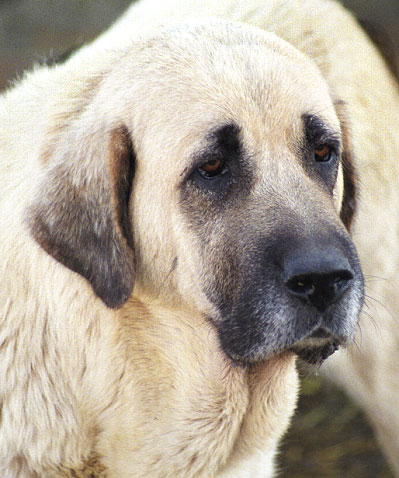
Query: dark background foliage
{"points": [[330, 436]]}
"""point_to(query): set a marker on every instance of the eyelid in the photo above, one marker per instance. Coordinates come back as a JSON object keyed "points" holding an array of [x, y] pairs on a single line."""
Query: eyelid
{"points": [[322, 150], [319, 132], [324, 154], [333, 145], [212, 167]]}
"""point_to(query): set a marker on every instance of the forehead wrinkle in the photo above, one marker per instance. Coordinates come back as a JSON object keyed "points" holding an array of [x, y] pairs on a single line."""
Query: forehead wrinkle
{"points": [[317, 129], [257, 91]]}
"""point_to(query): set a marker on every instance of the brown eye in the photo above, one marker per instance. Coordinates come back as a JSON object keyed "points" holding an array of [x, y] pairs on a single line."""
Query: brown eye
{"points": [[322, 154], [213, 168]]}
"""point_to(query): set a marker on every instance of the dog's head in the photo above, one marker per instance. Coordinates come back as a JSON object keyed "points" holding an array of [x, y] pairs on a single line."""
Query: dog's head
{"points": [[211, 168]]}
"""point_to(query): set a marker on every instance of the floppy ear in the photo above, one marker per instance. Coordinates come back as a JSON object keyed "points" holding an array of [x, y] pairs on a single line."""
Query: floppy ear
{"points": [[350, 195], [80, 212]]}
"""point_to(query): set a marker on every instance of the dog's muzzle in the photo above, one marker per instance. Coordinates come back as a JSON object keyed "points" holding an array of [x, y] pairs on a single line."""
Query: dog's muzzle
{"points": [[318, 278], [299, 294]]}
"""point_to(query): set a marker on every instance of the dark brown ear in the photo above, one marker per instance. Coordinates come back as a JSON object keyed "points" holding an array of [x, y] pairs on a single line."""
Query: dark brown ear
{"points": [[80, 214], [349, 201]]}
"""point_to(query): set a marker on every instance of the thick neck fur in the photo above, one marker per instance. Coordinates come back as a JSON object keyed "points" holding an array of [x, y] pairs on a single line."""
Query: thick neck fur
{"points": [[146, 391], [194, 412]]}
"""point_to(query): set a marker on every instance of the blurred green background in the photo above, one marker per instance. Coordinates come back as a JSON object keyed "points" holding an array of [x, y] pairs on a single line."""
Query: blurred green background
{"points": [[330, 436]]}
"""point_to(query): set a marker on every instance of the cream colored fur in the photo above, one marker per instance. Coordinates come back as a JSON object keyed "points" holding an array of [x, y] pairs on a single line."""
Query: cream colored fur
{"points": [[73, 371], [357, 74]]}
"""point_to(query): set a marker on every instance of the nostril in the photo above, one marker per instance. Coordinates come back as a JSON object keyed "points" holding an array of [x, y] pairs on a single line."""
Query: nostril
{"points": [[300, 285], [341, 281], [320, 290], [318, 278]]}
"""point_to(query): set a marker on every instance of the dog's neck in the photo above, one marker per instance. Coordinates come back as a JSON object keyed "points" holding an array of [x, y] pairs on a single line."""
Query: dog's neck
{"points": [[186, 399]]}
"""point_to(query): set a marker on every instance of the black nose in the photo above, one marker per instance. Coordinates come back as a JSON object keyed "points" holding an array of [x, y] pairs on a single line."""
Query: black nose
{"points": [[318, 276]]}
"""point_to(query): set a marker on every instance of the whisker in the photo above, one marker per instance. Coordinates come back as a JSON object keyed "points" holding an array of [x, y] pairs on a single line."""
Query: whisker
{"points": [[375, 278], [374, 301]]}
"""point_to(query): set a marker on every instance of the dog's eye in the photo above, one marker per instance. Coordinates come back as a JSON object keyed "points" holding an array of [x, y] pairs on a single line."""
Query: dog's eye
{"points": [[213, 168], [323, 154], [326, 161]]}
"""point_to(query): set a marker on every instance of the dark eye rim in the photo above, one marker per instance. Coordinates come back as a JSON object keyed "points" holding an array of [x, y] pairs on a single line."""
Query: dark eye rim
{"points": [[213, 173], [324, 153]]}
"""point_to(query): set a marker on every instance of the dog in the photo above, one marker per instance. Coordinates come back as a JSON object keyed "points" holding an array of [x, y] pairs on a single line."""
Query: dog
{"points": [[175, 230]]}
